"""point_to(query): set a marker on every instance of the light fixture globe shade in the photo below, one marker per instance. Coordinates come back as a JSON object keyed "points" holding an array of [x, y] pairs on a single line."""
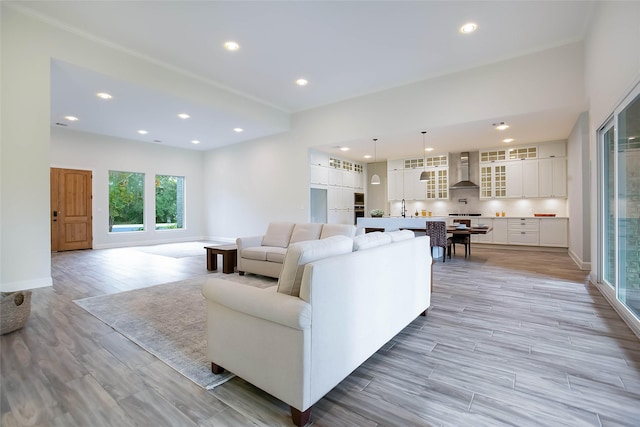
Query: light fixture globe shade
{"points": [[375, 179], [424, 176]]}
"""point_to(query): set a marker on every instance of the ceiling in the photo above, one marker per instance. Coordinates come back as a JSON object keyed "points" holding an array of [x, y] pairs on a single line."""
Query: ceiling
{"points": [[335, 45]]}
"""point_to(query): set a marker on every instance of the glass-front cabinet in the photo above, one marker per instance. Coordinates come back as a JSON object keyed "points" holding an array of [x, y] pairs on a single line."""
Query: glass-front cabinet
{"points": [[493, 181]]}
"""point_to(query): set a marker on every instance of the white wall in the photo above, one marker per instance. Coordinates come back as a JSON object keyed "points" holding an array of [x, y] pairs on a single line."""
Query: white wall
{"points": [[612, 61], [25, 231], [579, 190], [100, 154]]}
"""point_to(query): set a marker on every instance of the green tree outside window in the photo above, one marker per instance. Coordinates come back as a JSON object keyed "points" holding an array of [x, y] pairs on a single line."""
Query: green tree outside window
{"points": [[126, 201]]}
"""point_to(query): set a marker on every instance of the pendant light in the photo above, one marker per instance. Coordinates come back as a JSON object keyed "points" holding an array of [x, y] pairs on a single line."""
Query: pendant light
{"points": [[424, 176], [375, 179]]}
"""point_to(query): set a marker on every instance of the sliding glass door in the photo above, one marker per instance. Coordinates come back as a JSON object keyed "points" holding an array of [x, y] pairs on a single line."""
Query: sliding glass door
{"points": [[609, 232], [628, 169], [619, 244]]}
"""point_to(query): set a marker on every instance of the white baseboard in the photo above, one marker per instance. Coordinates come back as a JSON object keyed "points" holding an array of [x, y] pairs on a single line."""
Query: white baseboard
{"points": [[582, 265], [222, 239], [610, 294], [148, 242], [22, 285]]}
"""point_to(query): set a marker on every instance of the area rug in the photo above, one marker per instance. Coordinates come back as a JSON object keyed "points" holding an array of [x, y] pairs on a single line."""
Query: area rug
{"points": [[168, 321]]}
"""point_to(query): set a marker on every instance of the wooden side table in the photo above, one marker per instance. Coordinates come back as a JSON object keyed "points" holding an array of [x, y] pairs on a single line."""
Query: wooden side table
{"points": [[229, 257]]}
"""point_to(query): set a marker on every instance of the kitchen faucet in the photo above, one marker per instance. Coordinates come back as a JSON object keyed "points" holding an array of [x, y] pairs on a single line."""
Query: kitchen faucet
{"points": [[404, 209]]}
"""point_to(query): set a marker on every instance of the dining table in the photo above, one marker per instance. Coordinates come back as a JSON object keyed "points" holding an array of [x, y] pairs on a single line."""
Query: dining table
{"points": [[469, 230], [458, 231]]}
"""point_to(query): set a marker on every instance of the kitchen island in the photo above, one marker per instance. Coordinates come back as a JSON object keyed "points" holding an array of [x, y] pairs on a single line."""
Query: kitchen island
{"points": [[397, 223]]}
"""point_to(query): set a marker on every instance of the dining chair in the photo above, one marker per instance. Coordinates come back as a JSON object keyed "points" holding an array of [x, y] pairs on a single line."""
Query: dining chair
{"points": [[462, 239], [437, 231]]}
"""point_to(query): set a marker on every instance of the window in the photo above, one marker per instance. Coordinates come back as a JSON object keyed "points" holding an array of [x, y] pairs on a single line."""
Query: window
{"points": [[126, 201], [169, 202]]}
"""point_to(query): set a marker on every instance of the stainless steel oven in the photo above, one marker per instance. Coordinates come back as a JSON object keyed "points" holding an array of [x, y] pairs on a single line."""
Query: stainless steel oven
{"points": [[358, 212]]}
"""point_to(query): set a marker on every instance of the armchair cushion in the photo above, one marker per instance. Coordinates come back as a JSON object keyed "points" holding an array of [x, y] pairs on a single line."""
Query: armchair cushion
{"points": [[276, 255], [305, 231], [329, 230], [302, 253], [278, 234], [257, 252]]}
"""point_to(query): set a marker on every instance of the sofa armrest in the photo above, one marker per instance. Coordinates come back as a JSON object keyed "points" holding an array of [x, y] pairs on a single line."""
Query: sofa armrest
{"points": [[248, 242], [261, 303]]}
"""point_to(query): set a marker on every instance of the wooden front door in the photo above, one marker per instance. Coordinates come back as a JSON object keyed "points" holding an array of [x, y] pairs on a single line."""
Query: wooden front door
{"points": [[71, 217]]}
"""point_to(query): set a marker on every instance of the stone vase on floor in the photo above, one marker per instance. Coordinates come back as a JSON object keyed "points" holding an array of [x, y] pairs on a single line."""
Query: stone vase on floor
{"points": [[15, 309]]}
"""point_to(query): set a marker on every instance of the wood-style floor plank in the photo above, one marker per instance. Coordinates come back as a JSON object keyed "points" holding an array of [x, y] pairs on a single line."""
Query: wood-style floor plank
{"points": [[512, 338]]}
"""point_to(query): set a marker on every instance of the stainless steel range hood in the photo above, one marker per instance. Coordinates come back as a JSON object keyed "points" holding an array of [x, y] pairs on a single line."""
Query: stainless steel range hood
{"points": [[464, 174]]}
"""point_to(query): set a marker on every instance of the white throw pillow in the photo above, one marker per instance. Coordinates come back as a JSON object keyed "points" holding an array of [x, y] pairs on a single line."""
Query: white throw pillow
{"points": [[301, 253], [278, 234], [302, 232], [371, 240], [400, 235]]}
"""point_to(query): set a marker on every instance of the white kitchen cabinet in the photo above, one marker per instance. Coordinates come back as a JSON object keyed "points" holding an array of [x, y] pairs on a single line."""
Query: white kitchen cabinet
{"points": [[318, 175], [335, 177], [348, 179], [395, 185], [500, 233], [483, 238], [554, 232], [493, 181], [523, 231], [552, 149], [413, 188], [522, 178], [552, 177], [318, 158], [340, 217]]}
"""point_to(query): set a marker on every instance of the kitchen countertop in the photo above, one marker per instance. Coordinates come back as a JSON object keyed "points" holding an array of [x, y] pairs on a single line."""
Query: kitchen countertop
{"points": [[395, 223]]}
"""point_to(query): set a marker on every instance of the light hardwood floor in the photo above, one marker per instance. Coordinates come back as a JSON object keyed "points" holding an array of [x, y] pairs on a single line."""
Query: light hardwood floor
{"points": [[513, 338]]}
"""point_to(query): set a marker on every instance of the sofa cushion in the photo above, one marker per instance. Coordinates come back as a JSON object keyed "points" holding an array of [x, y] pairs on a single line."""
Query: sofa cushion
{"points": [[329, 230], [302, 232], [276, 255], [400, 235], [278, 234], [371, 240], [301, 253], [257, 252]]}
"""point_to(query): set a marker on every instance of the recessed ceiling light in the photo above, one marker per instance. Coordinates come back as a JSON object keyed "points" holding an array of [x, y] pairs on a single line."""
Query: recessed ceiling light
{"points": [[368, 156], [195, 141], [507, 140], [428, 149], [500, 126], [231, 45], [469, 27], [71, 118], [142, 132], [302, 82], [103, 95], [238, 130], [345, 148], [184, 115]]}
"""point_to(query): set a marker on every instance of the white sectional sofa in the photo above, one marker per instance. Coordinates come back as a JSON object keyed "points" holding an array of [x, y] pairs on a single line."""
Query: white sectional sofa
{"points": [[264, 254], [337, 302]]}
